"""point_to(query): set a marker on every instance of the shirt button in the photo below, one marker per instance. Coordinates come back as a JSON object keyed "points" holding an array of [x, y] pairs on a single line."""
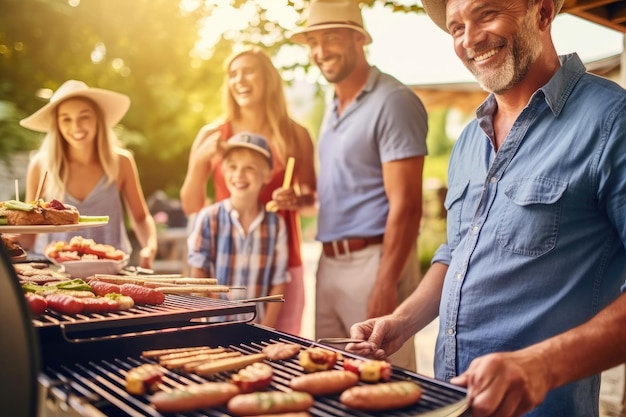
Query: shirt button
{"points": [[493, 179], [475, 229], [450, 331], [459, 276]]}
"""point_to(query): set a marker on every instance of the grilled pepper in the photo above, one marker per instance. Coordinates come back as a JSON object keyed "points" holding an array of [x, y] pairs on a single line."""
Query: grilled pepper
{"points": [[143, 379], [369, 370], [316, 359], [255, 377]]}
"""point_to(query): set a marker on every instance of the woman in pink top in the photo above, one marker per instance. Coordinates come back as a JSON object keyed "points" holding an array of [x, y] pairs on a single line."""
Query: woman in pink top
{"points": [[254, 101]]}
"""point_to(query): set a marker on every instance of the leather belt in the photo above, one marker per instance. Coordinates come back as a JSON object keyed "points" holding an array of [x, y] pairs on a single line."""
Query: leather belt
{"points": [[347, 246]]}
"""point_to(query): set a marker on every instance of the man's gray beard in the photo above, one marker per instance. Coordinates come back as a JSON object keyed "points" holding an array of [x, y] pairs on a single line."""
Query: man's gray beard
{"points": [[517, 63]]}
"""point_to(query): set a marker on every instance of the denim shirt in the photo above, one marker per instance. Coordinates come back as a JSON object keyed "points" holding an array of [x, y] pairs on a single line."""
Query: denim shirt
{"points": [[537, 230]]}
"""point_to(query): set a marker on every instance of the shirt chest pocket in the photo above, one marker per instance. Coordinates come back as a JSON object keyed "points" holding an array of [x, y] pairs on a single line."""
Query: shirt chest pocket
{"points": [[530, 219]]}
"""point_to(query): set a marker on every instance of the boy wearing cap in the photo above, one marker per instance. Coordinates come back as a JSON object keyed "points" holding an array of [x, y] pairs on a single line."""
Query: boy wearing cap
{"points": [[236, 240], [371, 146]]}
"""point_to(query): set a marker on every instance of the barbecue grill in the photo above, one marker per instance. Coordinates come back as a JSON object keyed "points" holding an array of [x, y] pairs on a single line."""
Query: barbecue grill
{"points": [[76, 365]]}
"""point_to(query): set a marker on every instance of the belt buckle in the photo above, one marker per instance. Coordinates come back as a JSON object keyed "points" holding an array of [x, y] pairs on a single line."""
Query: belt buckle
{"points": [[346, 248]]}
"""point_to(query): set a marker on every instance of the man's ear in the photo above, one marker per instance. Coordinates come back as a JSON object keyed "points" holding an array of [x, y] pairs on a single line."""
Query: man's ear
{"points": [[546, 13], [358, 37]]}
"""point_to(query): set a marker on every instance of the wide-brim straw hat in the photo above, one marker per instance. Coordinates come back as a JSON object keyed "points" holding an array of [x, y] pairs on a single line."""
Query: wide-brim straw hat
{"points": [[436, 10], [331, 14], [113, 105]]}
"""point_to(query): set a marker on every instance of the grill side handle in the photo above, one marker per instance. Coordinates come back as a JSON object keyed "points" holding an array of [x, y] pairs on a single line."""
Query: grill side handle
{"points": [[202, 322]]}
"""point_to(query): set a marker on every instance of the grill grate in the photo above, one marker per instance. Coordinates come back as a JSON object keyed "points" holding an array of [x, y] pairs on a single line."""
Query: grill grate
{"points": [[176, 308], [101, 381]]}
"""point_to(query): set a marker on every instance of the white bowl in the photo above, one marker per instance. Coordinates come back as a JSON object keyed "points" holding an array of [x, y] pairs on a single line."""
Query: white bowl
{"points": [[87, 268]]}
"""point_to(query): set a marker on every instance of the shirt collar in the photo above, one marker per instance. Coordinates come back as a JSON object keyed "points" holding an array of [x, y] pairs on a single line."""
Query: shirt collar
{"points": [[555, 92], [234, 215], [372, 79]]}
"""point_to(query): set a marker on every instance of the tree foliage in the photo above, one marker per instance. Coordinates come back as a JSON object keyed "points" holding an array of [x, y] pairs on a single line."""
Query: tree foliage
{"points": [[147, 49]]}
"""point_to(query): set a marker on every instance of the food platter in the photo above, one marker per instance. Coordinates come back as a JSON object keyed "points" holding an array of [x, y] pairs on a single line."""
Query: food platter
{"points": [[46, 228]]}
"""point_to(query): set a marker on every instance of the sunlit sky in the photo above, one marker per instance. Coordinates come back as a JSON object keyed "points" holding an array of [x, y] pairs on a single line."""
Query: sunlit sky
{"points": [[414, 50], [409, 46]]}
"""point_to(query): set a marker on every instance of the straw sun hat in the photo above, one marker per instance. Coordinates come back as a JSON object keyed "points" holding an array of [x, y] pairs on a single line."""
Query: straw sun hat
{"points": [[113, 105], [436, 10], [330, 14]]}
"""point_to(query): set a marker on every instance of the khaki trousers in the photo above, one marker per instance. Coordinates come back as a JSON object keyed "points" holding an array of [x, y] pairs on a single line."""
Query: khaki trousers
{"points": [[343, 286]]}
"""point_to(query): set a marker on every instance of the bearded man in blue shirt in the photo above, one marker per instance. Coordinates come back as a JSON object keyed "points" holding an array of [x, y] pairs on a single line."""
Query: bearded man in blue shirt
{"points": [[529, 287]]}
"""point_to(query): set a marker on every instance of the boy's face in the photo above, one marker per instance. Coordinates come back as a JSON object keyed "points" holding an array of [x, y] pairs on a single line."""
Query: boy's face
{"points": [[245, 172]]}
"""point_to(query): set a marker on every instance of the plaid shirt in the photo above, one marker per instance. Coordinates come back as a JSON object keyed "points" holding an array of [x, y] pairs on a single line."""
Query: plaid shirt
{"points": [[257, 261]]}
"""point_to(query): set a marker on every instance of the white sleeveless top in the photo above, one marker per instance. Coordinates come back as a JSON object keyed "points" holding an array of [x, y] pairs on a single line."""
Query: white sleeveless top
{"points": [[103, 200]]}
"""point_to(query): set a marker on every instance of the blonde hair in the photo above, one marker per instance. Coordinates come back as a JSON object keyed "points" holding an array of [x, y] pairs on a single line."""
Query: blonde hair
{"points": [[52, 154], [274, 103]]}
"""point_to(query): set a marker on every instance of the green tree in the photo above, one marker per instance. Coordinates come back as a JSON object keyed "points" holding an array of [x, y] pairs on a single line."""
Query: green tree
{"points": [[148, 49]]}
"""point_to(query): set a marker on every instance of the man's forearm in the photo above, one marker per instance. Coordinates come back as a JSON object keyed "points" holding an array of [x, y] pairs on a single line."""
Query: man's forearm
{"points": [[193, 190], [399, 244], [594, 346], [422, 306]]}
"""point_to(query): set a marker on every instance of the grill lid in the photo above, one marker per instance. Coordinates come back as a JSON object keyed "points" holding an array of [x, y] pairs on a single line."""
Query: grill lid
{"points": [[19, 348]]}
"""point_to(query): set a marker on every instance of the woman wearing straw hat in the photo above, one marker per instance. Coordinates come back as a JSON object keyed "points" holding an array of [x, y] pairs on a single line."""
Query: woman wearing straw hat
{"points": [[84, 165], [254, 101], [371, 150]]}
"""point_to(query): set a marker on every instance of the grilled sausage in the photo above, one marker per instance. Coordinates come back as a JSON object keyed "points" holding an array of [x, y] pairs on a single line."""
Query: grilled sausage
{"points": [[142, 295], [37, 304], [99, 305], [270, 402], [194, 397], [382, 396], [65, 304], [324, 382], [228, 364], [103, 288]]}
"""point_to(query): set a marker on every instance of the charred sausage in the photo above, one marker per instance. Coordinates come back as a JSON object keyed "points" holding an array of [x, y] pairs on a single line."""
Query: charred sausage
{"points": [[382, 396], [194, 397], [324, 382], [270, 402]]}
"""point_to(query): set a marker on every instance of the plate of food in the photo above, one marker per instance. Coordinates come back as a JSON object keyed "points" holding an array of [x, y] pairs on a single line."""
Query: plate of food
{"points": [[44, 217], [82, 257]]}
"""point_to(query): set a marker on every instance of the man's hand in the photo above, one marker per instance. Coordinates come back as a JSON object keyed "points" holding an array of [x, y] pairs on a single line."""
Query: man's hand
{"points": [[285, 199], [505, 384], [381, 337]]}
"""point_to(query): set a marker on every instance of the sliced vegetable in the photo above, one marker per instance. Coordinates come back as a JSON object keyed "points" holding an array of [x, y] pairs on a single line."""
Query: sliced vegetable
{"points": [[74, 285], [255, 377], [18, 205], [316, 359], [369, 370], [144, 379], [89, 219]]}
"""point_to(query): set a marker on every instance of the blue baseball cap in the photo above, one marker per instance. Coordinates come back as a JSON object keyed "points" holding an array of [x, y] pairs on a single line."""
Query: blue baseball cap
{"points": [[252, 141]]}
